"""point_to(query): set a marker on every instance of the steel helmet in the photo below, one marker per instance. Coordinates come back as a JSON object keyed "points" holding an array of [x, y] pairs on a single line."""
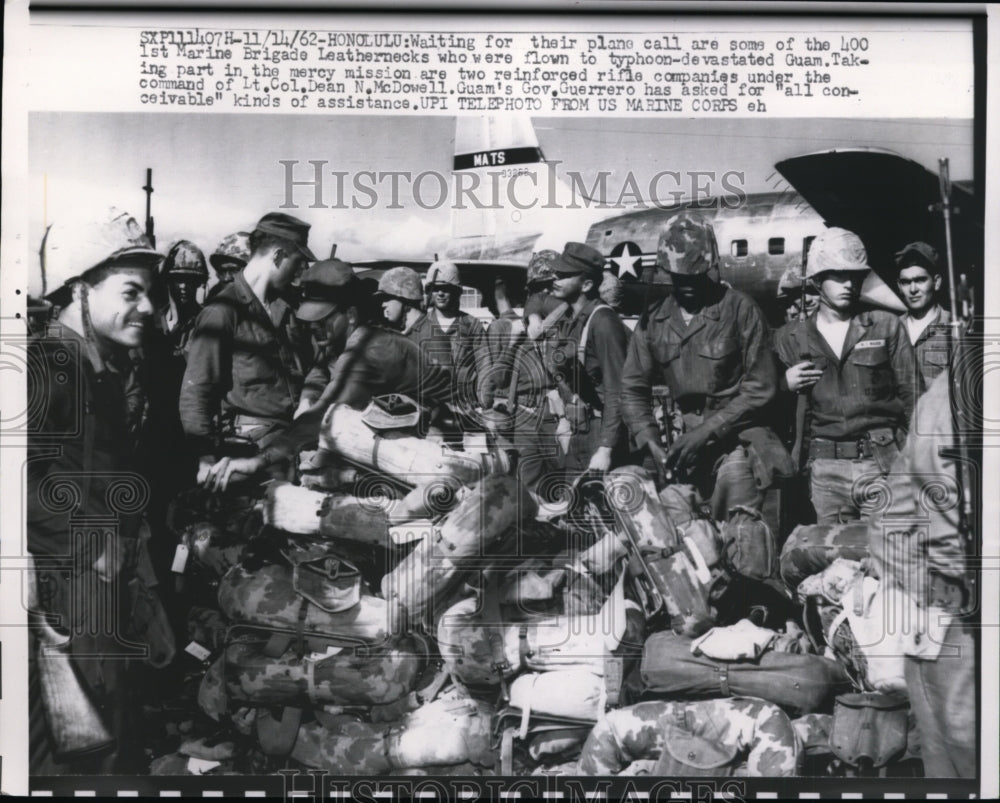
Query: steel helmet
{"points": [[687, 245], [72, 247], [540, 267], [836, 249], [443, 272], [402, 283], [185, 259], [234, 247]]}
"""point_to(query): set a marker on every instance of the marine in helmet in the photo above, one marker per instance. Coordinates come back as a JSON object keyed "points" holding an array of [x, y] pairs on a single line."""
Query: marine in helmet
{"points": [[585, 363], [229, 259], [243, 375], [459, 338], [710, 345], [82, 437], [791, 295], [919, 280], [184, 273], [515, 385], [860, 378], [161, 373]]}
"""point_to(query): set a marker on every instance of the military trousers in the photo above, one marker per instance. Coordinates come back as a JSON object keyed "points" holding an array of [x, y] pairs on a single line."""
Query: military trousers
{"points": [[845, 490], [943, 699]]}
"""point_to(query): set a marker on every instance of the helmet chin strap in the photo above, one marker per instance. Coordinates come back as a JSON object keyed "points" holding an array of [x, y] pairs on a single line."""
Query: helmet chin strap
{"points": [[89, 335]]}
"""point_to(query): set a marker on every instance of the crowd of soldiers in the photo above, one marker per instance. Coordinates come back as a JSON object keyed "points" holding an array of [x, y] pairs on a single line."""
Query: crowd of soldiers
{"points": [[773, 435]]}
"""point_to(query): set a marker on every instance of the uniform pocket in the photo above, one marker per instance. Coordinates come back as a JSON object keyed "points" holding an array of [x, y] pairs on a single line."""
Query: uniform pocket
{"points": [[874, 373], [721, 357]]}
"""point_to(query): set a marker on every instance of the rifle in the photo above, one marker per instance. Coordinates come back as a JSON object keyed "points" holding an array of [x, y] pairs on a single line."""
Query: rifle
{"points": [[149, 199], [957, 346], [74, 722], [802, 400]]}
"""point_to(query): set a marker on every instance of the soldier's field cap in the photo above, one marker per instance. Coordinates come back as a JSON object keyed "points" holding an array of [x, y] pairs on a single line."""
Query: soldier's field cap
{"points": [[540, 267], [918, 253], [579, 258], [325, 284], [401, 282], [687, 245], [836, 249], [288, 228]]}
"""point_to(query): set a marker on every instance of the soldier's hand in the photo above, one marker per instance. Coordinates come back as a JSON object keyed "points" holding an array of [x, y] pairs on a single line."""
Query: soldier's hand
{"points": [[802, 375], [601, 459], [219, 475], [684, 451], [659, 455]]}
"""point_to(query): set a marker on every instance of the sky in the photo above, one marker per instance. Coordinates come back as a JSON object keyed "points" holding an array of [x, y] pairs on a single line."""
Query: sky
{"points": [[218, 173]]}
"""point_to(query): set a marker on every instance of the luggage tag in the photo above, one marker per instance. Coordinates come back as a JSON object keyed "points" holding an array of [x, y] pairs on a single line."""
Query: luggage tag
{"points": [[198, 651], [199, 766], [180, 559]]}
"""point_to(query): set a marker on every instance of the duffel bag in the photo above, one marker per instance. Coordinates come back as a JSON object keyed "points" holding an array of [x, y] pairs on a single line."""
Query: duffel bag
{"points": [[479, 649], [632, 498], [812, 547], [487, 513], [452, 729], [264, 666], [266, 596], [572, 693], [410, 459], [737, 736], [800, 684]]}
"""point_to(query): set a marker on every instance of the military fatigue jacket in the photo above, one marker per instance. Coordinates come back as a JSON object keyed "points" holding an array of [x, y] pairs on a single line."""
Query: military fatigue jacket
{"points": [[599, 383], [82, 433], [460, 350], [241, 361], [874, 384], [718, 365], [931, 349]]}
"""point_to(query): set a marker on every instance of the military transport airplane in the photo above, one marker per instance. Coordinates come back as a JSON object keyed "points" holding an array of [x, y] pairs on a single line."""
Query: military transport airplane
{"points": [[508, 202]]}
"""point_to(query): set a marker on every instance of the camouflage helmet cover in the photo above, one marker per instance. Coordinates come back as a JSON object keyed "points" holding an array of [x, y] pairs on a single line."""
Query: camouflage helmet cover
{"points": [[234, 247], [185, 259], [687, 245], [443, 272], [836, 249], [401, 282], [540, 267], [72, 247]]}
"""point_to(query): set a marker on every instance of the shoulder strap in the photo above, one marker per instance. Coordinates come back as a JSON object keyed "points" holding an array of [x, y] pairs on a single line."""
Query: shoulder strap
{"points": [[582, 348]]}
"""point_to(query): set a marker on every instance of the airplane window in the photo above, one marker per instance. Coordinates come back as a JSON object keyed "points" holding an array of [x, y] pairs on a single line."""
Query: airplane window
{"points": [[739, 248], [776, 245]]}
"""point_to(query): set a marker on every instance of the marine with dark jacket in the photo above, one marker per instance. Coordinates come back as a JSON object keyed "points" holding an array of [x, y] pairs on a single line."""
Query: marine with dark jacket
{"points": [[926, 322], [857, 368], [243, 370], [85, 497], [461, 336], [710, 346], [585, 362]]}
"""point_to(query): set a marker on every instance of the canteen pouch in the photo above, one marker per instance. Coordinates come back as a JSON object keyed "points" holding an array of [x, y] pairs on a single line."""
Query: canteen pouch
{"points": [[330, 583], [686, 754], [869, 727]]}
